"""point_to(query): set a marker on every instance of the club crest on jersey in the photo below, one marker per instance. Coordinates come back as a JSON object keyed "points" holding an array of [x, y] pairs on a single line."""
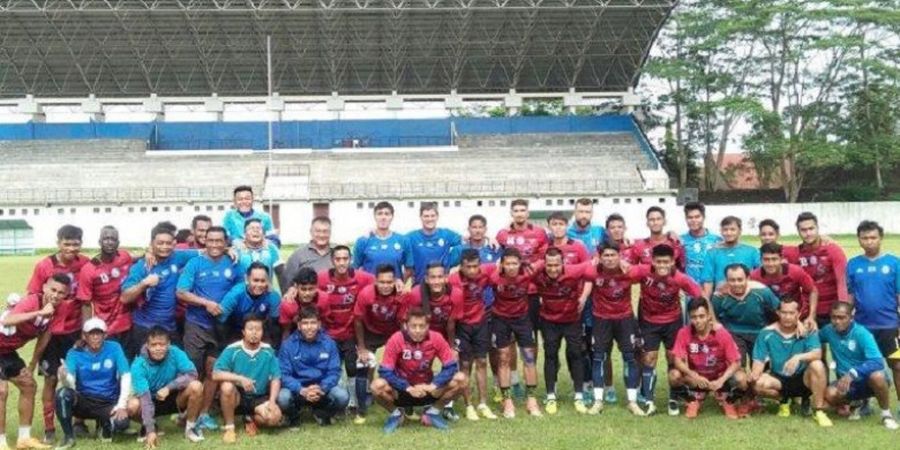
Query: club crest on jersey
{"points": [[886, 269], [115, 272], [397, 246], [698, 247], [173, 268], [520, 240], [342, 290], [440, 242], [851, 345], [227, 273]]}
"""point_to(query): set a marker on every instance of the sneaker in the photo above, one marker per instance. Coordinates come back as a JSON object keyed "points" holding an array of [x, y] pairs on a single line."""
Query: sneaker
{"points": [[610, 396], [534, 410], [359, 420], [866, 409], [229, 436], [411, 413], [588, 396], [67, 443], [31, 443], [649, 408], [806, 407], [49, 437], [673, 408], [692, 409], [392, 423], [250, 428], [472, 414], [322, 421], [822, 419], [595, 408], [207, 422], [784, 410], [730, 410], [509, 409], [194, 434], [435, 421], [81, 430], [580, 407], [889, 423], [450, 414], [853, 411], [551, 407], [486, 412], [635, 409], [518, 391], [106, 433]]}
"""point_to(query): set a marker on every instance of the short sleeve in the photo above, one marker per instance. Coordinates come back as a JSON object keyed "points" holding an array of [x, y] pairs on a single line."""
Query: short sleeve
{"points": [[681, 342], [85, 291], [812, 341], [186, 279], [135, 275], [183, 364], [274, 304], [223, 362], [391, 351], [760, 350], [139, 382]]}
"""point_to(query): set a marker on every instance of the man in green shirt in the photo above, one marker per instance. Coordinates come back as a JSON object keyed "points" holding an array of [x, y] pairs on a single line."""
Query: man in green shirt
{"points": [[250, 380], [743, 309]]}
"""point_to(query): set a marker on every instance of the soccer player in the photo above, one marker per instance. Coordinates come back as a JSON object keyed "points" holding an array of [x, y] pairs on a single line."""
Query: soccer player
{"points": [[582, 230], [430, 243], [164, 381], [377, 314], [615, 233], [65, 328], [407, 379], [744, 310], [26, 320], [787, 280], [794, 361], [199, 225], [825, 262], [573, 251], [613, 320], [304, 291], [249, 380], [315, 255], [698, 241], [96, 384], [253, 296], [660, 315], [383, 246], [510, 325], [202, 285], [730, 251], [563, 294], [235, 219], [770, 233], [310, 371], [256, 247], [873, 281], [642, 250], [860, 369], [100, 285], [706, 360], [473, 333], [478, 240]]}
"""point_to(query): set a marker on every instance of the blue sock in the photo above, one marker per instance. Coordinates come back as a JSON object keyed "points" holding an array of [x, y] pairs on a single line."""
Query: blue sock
{"points": [[648, 382]]}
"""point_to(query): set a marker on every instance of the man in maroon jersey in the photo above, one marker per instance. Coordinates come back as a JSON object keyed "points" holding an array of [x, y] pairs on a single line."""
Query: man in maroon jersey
{"points": [[770, 233], [573, 250], [660, 315], [706, 360], [787, 280], [613, 320], [473, 334], [28, 319], [825, 262], [377, 314], [199, 226], [100, 285], [642, 250], [303, 292], [407, 379], [563, 294], [65, 328]]}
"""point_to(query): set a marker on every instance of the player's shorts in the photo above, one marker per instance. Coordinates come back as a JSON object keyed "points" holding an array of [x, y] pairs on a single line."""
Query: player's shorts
{"points": [[405, 400], [503, 330], [349, 355], [199, 344], [249, 402], [88, 407], [553, 333], [168, 406], [745, 343], [55, 352], [887, 340], [374, 341], [11, 365], [653, 334], [623, 331], [473, 341], [793, 385], [859, 389]]}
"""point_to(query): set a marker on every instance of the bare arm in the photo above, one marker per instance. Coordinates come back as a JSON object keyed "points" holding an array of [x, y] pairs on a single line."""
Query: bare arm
{"points": [[39, 348]]}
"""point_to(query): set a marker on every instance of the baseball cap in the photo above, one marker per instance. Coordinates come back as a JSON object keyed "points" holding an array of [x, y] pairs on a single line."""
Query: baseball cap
{"points": [[94, 323]]}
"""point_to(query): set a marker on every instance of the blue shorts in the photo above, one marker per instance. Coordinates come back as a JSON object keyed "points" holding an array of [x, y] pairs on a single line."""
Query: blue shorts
{"points": [[859, 389]]}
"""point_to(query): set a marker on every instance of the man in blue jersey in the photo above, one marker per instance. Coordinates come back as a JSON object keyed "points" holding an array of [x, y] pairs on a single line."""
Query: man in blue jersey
{"points": [[255, 247], [430, 243], [383, 246], [729, 251], [96, 384], [152, 289], [235, 218], [478, 240], [582, 229], [860, 369], [873, 284], [164, 381], [698, 241], [201, 286], [253, 296]]}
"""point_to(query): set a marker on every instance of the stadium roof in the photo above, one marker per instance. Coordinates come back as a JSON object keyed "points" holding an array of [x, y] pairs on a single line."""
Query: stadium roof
{"points": [[132, 48]]}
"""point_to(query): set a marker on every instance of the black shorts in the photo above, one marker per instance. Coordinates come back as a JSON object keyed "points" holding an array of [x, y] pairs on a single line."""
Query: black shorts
{"points": [[199, 344], [653, 334], [167, 406], [87, 407], [249, 402], [503, 331], [887, 340], [374, 341], [793, 385], [11, 365], [473, 341], [553, 334], [55, 352], [623, 331], [349, 355], [745, 343], [405, 400]]}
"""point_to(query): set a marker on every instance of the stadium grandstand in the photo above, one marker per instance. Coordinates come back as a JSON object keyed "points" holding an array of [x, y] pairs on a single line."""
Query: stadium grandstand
{"points": [[176, 108]]}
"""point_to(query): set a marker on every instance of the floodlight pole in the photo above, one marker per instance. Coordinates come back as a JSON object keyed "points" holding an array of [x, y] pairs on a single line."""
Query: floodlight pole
{"points": [[269, 115]]}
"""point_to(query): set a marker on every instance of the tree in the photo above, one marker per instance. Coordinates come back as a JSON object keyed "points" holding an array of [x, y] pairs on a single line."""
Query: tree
{"points": [[872, 129]]}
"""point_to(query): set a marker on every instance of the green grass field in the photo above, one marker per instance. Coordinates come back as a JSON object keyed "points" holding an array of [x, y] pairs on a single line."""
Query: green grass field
{"points": [[614, 428]]}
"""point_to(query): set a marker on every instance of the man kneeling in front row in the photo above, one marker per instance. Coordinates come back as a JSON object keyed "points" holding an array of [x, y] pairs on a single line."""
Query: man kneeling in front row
{"points": [[407, 379]]}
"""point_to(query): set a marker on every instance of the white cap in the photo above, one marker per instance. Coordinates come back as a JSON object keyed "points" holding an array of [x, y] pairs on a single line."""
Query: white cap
{"points": [[94, 323]]}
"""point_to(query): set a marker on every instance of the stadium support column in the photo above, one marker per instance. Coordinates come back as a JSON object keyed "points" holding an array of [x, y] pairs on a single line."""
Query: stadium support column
{"points": [[631, 101], [155, 108], [513, 102], [215, 106], [394, 103], [93, 108], [275, 107], [453, 103], [335, 105], [572, 101], [34, 110]]}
